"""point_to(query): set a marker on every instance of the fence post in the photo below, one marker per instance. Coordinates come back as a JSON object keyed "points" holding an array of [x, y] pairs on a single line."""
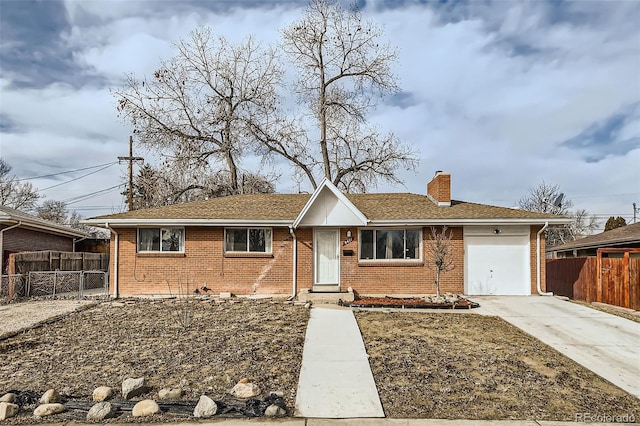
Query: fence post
{"points": [[81, 282], [55, 281]]}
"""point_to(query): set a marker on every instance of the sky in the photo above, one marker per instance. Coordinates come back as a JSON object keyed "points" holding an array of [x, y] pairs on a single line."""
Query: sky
{"points": [[501, 94]]}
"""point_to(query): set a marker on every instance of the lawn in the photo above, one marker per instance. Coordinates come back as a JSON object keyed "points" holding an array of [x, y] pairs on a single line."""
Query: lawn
{"points": [[466, 366]]}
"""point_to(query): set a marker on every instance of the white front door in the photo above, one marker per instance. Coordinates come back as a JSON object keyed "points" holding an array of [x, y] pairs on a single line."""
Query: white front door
{"points": [[326, 257]]}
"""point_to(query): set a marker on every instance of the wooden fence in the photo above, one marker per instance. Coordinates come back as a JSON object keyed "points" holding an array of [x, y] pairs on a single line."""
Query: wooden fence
{"points": [[615, 281], [22, 263]]}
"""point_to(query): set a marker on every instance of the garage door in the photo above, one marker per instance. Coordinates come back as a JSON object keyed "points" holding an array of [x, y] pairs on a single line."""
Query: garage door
{"points": [[497, 261]]}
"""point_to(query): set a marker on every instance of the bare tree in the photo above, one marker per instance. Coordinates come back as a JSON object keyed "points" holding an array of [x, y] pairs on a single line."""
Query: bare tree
{"points": [[58, 212], [440, 253], [547, 198], [343, 67], [176, 183], [204, 104], [53, 211], [15, 194]]}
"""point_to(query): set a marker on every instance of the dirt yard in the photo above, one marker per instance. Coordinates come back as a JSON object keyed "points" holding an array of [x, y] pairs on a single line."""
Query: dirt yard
{"points": [[18, 316], [467, 366], [258, 339], [426, 365]]}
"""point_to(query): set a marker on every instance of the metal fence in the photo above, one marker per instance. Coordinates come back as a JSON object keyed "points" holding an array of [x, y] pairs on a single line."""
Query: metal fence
{"points": [[54, 283]]}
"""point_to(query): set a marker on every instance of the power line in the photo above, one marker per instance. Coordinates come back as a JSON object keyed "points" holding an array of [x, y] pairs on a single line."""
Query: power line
{"points": [[80, 177], [65, 172], [92, 194]]}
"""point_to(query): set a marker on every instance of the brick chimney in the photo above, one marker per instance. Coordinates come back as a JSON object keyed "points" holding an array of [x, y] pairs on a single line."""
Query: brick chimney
{"points": [[439, 189]]}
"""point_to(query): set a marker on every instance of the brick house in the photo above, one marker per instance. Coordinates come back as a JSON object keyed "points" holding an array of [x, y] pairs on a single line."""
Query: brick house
{"points": [[21, 232], [326, 241]]}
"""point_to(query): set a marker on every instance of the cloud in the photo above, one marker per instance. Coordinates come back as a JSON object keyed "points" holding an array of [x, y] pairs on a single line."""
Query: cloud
{"points": [[501, 94]]}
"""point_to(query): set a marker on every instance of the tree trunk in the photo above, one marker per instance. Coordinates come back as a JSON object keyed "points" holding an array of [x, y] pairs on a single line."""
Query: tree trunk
{"points": [[438, 283]]}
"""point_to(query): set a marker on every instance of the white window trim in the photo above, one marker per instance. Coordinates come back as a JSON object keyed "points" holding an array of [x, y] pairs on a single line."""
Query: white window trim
{"points": [[389, 228], [224, 240], [160, 228]]}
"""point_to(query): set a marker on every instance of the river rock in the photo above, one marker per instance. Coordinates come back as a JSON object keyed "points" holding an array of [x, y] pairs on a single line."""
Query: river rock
{"points": [[7, 410], [48, 409], [206, 407], [146, 407], [8, 397], [102, 393], [49, 397], [134, 387], [245, 390], [171, 394], [100, 411], [275, 411]]}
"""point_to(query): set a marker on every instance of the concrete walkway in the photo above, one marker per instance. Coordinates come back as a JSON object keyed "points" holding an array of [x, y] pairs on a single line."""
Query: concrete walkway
{"points": [[606, 344], [335, 377]]}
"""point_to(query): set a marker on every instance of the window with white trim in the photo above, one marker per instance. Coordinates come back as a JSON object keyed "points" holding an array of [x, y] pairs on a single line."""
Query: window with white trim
{"points": [[160, 240], [390, 244], [247, 240]]}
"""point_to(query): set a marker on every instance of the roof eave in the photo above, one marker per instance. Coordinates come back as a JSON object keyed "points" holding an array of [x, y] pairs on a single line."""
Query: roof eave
{"points": [[120, 223], [601, 244], [462, 221], [26, 223]]}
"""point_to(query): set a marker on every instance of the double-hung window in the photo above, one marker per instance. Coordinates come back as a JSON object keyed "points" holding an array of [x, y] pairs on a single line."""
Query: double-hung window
{"points": [[390, 244], [247, 240], [160, 240]]}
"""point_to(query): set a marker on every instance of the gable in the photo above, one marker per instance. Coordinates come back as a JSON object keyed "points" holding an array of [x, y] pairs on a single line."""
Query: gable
{"points": [[329, 207]]}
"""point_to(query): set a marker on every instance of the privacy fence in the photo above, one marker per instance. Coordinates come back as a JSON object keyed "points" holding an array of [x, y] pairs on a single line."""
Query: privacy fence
{"points": [[22, 263], [611, 280], [51, 273]]}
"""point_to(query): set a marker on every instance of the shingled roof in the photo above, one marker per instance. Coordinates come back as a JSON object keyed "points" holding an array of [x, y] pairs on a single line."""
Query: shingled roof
{"points": [[11, 217], [629, 234], [286, 207]]}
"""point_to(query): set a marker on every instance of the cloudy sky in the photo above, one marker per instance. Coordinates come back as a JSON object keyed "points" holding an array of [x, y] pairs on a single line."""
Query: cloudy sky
{"points": [[501, 94]]}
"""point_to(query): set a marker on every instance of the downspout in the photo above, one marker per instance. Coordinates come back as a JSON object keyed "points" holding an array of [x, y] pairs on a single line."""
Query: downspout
{"points": [[539, 261], [2, 244], [294, 290], [115, 261]]}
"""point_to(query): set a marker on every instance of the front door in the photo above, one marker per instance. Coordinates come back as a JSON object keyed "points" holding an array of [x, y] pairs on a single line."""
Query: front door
{"points": [[327, 258]]}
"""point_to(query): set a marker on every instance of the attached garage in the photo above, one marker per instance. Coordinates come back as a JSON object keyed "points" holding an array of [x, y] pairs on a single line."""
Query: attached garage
{"points": [[497, 260]]}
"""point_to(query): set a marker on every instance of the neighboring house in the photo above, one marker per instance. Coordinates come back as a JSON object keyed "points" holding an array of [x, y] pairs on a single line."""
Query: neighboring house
{"points": [[328, 241], [21, 232], [619, 238]]}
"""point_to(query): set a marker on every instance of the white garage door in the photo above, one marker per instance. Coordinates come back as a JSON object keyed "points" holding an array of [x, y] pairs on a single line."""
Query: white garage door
{"points": [[497, 260]]}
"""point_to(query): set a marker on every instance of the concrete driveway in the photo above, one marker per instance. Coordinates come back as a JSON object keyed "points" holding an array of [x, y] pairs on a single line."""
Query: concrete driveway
{"points": [[605, 344]]}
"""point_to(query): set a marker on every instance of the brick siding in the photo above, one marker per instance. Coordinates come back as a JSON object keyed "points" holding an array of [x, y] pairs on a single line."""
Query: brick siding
{"points": [[204, 263]]}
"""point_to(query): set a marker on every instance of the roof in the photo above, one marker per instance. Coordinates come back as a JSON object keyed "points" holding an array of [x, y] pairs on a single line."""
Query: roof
{"points": [[624, 235], [10, 217], [283, 209]]}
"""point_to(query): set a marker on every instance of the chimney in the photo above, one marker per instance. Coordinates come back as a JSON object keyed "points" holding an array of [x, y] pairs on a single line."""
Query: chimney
{"points": [[439, 189]]}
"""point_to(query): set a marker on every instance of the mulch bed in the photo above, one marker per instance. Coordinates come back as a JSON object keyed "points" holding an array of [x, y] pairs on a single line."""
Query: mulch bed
{"points": [[408, 303]]}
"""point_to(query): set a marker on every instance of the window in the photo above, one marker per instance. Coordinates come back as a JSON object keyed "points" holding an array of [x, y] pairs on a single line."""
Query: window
{"points": [[390, 244], [160, 239], [254, 240]]}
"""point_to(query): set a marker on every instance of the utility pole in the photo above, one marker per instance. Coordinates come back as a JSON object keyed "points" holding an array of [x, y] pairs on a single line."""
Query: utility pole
{"points": [[131, 159], [635, 210]]}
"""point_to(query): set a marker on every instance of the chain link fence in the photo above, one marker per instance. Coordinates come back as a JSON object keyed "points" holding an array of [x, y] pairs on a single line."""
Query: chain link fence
{"points": [[54, 283], [12, 286]]}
